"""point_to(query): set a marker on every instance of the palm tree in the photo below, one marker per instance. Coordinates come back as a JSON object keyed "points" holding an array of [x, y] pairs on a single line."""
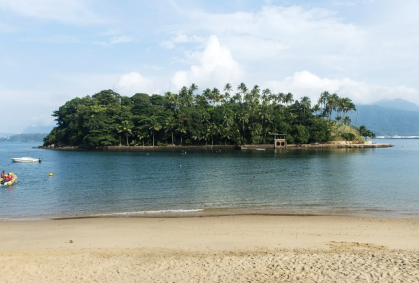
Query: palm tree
{"points": [[170, 125], [255, 92], [208, 95], [193, 88], [316, 108], [281, 98], [242, 89], [228, 88], [215, 95], [305, 103], [212, 130], [247, 97], [119, 130], [289, 98], [153, 125], [173, 99], [237, 97], [182, 130], [200, 99], [140, 133], [244, 118], [346, 121], [127, 128], [332, 104], [265, 94], [323, 99]]}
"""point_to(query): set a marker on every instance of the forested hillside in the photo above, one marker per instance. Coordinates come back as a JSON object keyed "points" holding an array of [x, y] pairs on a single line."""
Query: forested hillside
{"points": [[189, 118], [386, 121]]}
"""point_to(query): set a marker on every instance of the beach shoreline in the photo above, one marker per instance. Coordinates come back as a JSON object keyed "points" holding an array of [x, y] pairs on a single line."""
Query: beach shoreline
{"points": [[211, 249], [308, 210]]}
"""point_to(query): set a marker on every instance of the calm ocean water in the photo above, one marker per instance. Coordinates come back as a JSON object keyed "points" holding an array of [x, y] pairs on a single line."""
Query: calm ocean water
{"points": [[376, 182]]}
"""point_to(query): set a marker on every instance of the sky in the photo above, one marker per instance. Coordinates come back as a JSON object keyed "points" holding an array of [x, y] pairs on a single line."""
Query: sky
{"points": [[54, 50]]}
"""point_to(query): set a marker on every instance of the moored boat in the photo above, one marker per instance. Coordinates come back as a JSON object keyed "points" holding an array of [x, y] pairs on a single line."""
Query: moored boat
{"points": [[26, 160]]}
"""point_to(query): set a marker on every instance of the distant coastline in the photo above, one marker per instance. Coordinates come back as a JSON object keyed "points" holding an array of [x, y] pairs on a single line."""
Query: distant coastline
{"points": [[397, 137], [36, 137]]}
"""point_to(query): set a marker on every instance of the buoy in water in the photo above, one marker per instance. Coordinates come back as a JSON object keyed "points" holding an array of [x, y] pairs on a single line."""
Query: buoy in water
{"points": [[50, 174]]}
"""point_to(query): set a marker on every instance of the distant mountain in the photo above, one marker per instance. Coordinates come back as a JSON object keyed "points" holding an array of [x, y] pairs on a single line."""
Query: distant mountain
{"points": [[386, 121], [399, 104], [25, 138], [37, 129]]}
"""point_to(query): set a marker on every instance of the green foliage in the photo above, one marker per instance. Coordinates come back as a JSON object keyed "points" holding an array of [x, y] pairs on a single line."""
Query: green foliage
{"points": [[319, 130], [348, 136], [212, 117], [366, 133], [300, 134]]}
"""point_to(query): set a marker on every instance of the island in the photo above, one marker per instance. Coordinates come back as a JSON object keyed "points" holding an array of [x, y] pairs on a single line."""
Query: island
{"points": [[250, 118]]}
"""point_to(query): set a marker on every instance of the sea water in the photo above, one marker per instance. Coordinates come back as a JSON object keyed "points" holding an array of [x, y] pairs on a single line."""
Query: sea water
{"points": [[373, 182]]}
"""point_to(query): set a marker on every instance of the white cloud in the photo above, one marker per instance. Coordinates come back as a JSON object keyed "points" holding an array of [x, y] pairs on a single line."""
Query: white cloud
{"points": [[132, 83], [307, 84], [74, 11], [216, 67], [277, 33]]}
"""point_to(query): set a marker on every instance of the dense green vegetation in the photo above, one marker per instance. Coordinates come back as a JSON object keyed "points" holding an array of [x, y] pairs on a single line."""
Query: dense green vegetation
{"points": [[189, 118], [24, 138]]}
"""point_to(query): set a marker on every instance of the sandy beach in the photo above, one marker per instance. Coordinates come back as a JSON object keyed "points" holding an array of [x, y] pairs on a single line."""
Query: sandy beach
{"points": [[211, 249]]}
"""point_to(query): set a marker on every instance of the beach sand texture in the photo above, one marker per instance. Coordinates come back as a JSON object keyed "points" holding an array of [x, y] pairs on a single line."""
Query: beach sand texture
{"points": [[211, 249]]}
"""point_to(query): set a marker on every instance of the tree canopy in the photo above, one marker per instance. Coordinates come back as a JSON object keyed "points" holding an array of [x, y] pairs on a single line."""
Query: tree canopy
{"points": [[213, 117]]}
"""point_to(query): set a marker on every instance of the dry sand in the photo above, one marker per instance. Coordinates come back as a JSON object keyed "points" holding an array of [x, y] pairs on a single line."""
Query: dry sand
{"points": [[211, 249]]}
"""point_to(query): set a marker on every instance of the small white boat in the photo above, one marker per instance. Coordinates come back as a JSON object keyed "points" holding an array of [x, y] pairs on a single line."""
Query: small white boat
{"points": [[27, 160], [259, 149]]}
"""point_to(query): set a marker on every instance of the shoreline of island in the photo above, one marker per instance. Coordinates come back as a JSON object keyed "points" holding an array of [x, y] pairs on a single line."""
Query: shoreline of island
{"points": [[329, 145]]}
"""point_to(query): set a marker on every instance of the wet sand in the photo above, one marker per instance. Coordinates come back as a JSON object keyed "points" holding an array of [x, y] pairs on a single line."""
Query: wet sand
{"points": [[211, 249]]}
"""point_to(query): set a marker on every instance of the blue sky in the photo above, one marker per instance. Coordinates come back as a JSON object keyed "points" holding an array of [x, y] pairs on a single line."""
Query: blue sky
{"points": [[54, 50]]}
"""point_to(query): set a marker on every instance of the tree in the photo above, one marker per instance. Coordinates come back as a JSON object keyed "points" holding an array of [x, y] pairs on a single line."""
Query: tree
{"points": [[289, 98], [193, 88], [228, 88], [242, 90], [182, 130], [265, 94], [338, 118], [170, 124], [305, 103], [153, 125], [215, 95], [346, 121], [127, 126], [366, 133]]}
